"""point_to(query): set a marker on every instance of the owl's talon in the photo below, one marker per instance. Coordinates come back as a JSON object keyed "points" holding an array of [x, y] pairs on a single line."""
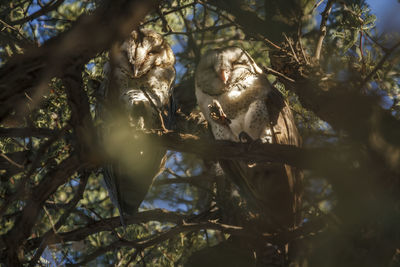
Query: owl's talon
{"points": [[217, 113], [245, 137]]}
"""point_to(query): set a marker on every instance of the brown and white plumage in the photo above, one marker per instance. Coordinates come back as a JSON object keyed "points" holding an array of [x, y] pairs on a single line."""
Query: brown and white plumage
{"points": [[229, 78], [136, 92]]}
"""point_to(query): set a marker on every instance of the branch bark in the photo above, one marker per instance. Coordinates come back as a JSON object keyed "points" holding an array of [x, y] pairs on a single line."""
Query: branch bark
{"points": [[27, 132], [306, 158], [322, 28]]}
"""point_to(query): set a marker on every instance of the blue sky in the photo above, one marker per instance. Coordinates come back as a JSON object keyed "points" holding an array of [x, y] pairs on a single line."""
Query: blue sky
{"points": [[387, 14]]}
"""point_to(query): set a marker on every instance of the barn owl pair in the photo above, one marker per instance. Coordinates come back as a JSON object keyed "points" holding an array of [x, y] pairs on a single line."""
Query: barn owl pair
{"points": [[234, 96]]}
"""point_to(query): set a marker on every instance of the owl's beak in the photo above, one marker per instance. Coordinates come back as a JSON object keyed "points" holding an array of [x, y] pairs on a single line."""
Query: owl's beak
{"points": [[224, 75], [135, 70]]}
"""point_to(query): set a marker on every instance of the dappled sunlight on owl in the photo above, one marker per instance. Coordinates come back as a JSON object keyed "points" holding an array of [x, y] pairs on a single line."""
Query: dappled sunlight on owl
{"points": [[241, 105]]}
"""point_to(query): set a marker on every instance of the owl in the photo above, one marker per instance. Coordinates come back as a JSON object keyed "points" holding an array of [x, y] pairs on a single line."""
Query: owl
{"points": [[136, 91], [241, 105]]}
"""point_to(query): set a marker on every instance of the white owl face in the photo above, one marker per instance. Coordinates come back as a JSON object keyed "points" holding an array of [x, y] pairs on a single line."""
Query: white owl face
{"points": [[146, 49], [219, 69]]}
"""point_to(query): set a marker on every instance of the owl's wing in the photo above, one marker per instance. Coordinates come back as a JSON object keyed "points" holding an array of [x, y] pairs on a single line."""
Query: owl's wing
{"points": [[284, 131], [272, 189], [102, 114], [282, 120], [128, 179], [134, 160]]}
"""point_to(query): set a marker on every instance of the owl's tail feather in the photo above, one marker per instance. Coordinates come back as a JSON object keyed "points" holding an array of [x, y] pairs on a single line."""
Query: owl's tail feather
{"points": [[127, 186], [236, 171]]}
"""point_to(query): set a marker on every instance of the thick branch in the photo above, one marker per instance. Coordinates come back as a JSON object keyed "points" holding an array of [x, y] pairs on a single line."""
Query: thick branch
{"points": [[81, 119], [26, 132], [307, 158]]}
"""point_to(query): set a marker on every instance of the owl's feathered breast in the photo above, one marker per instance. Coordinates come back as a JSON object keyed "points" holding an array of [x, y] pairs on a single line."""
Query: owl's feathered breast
{"points": [[242, 94], [156, 83]]}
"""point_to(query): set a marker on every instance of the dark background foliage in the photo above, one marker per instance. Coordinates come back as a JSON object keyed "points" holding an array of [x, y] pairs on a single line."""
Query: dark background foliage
{"points": [[336, 67]]}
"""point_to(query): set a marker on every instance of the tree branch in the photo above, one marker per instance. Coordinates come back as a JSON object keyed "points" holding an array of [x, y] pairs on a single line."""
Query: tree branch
{"points": [[247, 19], [108, 225], [193, 180], [307, 158], [322, 28], [27, 132], [53, 5], [276, 238]]}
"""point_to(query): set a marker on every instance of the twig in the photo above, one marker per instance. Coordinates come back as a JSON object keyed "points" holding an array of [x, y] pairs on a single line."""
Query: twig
{"points": [[316, 6], [27, 132], [291, 48], [97, 253], [376, 42], [361, 47], [380, 64], [133, 257], [191, 40], [257, 36], [203, 25], [154, 106], [11, 161], [346, 8], [18, 31], [211, 28], [50, 219], [164, 21], [52, 5], [108, 224], [277, 73], [193, 180], [300, 42], [322, 28], [168, 12]]}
